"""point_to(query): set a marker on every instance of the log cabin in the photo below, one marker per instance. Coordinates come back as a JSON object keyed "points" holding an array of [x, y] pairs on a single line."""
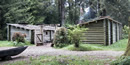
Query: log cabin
{"points": [[102, 30], [36, 34]]}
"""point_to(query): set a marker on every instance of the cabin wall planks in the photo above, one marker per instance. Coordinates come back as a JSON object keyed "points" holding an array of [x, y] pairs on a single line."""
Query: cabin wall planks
{"points": [[102, 31], [32, 31]]}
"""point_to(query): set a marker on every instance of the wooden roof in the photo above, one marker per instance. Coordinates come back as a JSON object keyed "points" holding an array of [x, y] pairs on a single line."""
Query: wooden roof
{"points": [[101, 18], [32, 27]]}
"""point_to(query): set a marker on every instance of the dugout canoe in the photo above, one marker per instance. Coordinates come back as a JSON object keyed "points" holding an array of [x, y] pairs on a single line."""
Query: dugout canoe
{"points": [[12, 52]]}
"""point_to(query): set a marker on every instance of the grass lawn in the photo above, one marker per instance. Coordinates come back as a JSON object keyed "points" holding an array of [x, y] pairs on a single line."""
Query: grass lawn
{"points": [[5, 44], [63, 60], [118, 46], [10, 44]]}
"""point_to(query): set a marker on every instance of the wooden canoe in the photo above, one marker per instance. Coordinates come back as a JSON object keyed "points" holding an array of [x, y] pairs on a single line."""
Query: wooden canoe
{"points": [[12, 52]]}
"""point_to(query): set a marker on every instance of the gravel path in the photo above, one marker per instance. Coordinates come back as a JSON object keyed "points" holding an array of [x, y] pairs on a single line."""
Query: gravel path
{"points": [[33, 51]]}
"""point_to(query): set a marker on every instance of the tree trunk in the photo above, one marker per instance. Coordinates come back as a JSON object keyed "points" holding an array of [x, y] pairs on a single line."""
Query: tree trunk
{"points": [[61, 8], [127, 52]]}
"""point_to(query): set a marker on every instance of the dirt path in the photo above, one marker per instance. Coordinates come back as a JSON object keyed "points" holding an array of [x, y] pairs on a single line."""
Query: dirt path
{"points": [[33, 51]]}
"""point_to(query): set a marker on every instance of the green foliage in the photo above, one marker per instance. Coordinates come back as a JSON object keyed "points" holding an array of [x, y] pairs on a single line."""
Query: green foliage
{"points": [[75, 33], [46, 11], [72, 35], [60, 38], [125, 32], [122, 61], [28, 11], [25, 11]]}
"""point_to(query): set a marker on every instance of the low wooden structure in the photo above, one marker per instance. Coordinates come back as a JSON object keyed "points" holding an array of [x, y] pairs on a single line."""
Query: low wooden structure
{"points": [[37, 34], [103, 30]]}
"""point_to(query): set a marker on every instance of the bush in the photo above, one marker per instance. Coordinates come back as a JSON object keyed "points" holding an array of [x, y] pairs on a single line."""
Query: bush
{"points": [[75, 33], [125, 32], [60, 38], [19, 37], [122, 61]]}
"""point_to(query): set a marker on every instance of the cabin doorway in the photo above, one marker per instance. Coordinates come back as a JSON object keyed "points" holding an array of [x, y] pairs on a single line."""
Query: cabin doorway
{"points": [[48, 36]]}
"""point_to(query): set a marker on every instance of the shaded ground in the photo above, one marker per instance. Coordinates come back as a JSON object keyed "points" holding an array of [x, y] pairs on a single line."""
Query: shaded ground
{"points": [[33, 51]]}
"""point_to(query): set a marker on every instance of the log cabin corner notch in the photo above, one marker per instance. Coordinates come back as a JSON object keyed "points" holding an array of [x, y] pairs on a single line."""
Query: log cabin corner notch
{"points": [[103, 30]]}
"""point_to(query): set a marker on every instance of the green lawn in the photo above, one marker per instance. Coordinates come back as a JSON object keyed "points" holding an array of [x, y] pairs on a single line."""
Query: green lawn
{"points": [[10, 44], [118, 46], [5, 44], [63, 60]]}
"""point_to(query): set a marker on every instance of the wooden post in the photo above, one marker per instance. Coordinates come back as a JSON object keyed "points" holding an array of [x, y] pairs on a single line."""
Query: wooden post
{"points": [[112, 32], [55, 27], [118, 32], [35, 39], [41, 33], [104, 32], [30, 35], [8, 32], [10, 37], [109, 32], [129, 23]]}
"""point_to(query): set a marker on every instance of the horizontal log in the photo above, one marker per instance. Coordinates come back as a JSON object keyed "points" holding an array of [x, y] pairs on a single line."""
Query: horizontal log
{"points": [[95, 27], [92, 38], [95, 30], [100, 37], [93, 42], [93, 33]]}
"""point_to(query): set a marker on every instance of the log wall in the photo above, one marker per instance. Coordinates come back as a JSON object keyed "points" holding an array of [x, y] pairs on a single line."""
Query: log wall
{"points": [[109, 31], [95, 33], [17, 29], [103, 31]]}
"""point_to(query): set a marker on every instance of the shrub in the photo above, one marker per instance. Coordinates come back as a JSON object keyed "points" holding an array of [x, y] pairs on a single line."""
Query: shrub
{"points": [[60, 38], [75, 33], [19, 37], [125, 32], [122, 61]]}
